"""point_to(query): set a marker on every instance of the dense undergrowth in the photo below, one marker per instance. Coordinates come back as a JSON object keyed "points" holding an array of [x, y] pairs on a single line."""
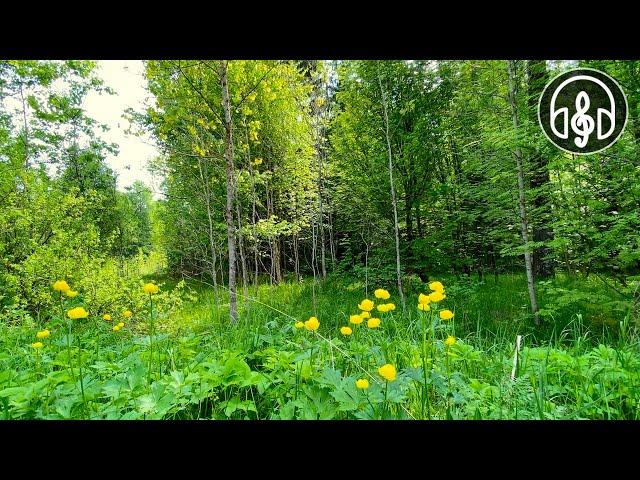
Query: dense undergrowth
{"points": [[177, 357]]}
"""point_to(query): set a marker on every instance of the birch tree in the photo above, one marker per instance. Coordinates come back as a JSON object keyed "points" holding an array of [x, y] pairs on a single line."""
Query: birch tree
{"points": [[524, 228]]}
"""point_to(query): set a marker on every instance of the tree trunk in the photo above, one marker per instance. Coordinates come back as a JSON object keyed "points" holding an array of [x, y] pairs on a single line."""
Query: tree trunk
{"points": [[243, 261], [537, 77], [523, 213], [393, 190], [26, 129], [296, 257], [212, 250], [228, 155], [319, 145]]}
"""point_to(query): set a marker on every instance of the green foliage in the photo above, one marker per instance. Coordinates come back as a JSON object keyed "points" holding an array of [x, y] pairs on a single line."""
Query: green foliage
{"points": [[268, 369]]}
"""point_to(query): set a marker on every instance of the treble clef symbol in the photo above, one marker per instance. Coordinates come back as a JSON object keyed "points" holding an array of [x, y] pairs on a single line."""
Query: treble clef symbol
{"points": [[582, 124]]}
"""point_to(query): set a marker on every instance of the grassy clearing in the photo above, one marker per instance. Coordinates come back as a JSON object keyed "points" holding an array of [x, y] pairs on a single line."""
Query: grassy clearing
{"points": [[190, 363]]}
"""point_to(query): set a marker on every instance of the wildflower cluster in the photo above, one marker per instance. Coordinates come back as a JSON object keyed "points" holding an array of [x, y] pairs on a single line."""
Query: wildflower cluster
{"points": [[436, 295]]}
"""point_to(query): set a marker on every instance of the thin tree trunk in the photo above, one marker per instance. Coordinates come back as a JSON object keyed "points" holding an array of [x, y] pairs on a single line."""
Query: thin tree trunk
{"points": [[393, 190], [523, 213], [296, 256], [207, 195], [228, 155], [243, 262], [253, 217], [332, 242], [543, 266], [26, 129]]}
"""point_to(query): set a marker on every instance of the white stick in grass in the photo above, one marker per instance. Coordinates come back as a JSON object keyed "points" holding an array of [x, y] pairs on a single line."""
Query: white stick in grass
{"points": [[515, 357]]}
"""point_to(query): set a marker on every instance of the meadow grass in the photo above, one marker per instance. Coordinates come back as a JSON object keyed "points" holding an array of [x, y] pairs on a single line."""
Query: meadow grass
{"points": [[195, 364]]}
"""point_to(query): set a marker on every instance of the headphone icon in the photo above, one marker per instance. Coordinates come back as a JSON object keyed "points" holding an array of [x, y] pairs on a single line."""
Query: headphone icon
{"points": [[580, 118]]}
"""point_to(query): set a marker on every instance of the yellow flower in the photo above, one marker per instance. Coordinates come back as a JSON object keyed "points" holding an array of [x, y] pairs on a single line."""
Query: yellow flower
{"points": [[362, 383], [43, 334], [128, 314], [436, 287], [382, 294], [121, 324], [422, 298], [37, 345], [446, 314], [61, 286], [373, 323], [355, 319], [312, 324], [299, 324], [450, 341], [424, 307], [71, 293], [388, 372], [150, 288], [346, 330], [106, 317], [386, 307], [437, 296], [257, 161], [366, 305], [116, 328], [365, 315], [76, 313]]}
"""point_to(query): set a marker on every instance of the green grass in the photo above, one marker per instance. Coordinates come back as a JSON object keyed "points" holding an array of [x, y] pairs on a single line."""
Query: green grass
{"points": [[574, 366]]}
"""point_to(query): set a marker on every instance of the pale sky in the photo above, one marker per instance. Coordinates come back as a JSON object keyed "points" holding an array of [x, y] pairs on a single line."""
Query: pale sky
{"points": [[126, 77]]}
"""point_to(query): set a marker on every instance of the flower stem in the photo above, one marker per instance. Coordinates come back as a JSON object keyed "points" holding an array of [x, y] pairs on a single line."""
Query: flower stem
{"points": [[69, 351], [425, 391], [84, 401], [386, 388], [151, 331]]}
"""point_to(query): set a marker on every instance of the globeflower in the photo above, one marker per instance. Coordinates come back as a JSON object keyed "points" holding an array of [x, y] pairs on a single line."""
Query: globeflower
{"points": [[446, 314], [388, 372], [121, 324], [437, 296], [436, 287], [71, 293], [362, 383], [422, 298], [150, 288], [346, 331], [373, 323], [61, 286], [312, 324], [106, 317], [37, 345], [116, 328], [450, 341], [299, 324], [127, 314], [366, 305], [76, 313], [386, 307], [355, 319], [382, 294], [424, 307], [365, 315], [43, 334]]}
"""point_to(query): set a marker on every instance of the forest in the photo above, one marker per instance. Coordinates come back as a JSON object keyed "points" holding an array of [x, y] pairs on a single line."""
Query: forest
{"points": [[331, 239]]}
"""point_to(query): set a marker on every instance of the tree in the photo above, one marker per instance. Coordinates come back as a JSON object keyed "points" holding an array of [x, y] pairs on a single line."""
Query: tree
{"points": [[521, 192]]}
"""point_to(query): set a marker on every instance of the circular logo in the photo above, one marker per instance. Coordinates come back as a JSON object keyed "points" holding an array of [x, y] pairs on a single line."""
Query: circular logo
{"points": [[583, 111]]}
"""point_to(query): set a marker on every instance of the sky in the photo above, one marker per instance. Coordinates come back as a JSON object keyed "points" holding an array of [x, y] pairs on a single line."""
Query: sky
{"points": [[126, 78]]}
